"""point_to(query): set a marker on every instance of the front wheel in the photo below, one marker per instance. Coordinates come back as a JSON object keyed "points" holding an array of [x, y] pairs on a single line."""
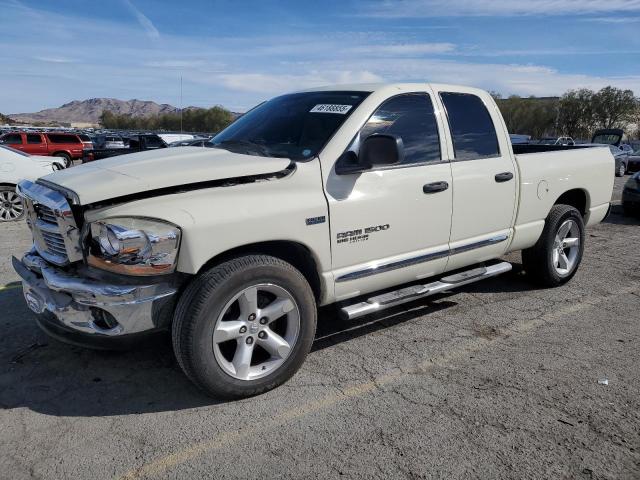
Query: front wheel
{"points": [[11, 205], [244, 326], [555, 258]]}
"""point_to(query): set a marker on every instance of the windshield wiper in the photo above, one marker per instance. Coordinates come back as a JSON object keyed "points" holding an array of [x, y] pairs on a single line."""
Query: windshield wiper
{"points": [[245, 143]]}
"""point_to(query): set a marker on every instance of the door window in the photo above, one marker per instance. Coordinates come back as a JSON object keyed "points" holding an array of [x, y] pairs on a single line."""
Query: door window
{"points": [[34, 138], [411, 118], [474, 135], [12, 139]]}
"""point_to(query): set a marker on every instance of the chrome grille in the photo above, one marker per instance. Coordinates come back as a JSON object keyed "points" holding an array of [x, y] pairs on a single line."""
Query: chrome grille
{"points": [[55, 234], [46, 214]]}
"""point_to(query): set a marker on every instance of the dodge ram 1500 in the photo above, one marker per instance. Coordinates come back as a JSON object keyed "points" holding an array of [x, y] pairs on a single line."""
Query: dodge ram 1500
{"points": [[361, 196]]}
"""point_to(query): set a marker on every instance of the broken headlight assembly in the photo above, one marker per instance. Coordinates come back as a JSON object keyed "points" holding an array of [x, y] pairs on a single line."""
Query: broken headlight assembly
{"points": [[133, 246]]}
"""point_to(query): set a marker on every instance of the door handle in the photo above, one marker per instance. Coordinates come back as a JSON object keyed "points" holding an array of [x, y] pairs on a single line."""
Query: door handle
{"points": [[503, 177], [435, 187]]}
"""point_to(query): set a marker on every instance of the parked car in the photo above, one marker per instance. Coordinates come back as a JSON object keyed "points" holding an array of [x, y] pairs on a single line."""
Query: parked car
{"points": [[354, 191], [631, 195], [633, 164], [556, 141], [136, 143], [14, 167], [196, 142], [64, 145], [113, 142], [519, 139]]}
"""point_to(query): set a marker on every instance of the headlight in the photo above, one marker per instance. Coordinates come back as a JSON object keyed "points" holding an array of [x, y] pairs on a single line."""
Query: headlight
{"points": [[134, 246]]}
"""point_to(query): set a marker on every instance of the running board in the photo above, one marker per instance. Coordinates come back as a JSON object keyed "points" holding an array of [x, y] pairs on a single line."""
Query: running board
{"points": [[407, 294]]}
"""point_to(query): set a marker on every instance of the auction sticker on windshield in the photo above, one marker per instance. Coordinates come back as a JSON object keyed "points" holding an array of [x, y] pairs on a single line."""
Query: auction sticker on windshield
{"points": [[331, 108]]}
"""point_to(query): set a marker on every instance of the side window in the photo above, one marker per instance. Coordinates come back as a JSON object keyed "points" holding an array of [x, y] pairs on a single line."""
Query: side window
{"points": [[34, 138], [474, 135], [12, 139], [411, 118]]}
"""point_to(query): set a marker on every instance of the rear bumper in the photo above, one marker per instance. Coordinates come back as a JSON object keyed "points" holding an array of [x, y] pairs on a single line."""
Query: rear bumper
{"points": [[89, 308]]}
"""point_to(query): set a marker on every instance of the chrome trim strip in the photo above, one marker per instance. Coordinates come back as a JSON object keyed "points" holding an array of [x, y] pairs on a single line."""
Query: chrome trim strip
{"points": [[480, 244], [387, 267]]}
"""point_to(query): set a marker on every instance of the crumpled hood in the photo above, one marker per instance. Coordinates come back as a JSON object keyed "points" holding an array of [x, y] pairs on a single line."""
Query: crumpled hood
{"points": [[155, 169]]}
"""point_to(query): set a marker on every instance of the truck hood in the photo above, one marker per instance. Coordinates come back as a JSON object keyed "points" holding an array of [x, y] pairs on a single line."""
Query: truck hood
{"points": [[160, 169]]}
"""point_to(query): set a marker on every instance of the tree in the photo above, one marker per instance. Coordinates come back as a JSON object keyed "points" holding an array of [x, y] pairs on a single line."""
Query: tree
{"points": [[193, 120], [613, 107], [575, 113]]}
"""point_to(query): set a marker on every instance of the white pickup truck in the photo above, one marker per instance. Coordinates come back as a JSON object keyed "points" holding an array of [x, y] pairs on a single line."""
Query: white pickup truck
{"points": [[361, 196]]}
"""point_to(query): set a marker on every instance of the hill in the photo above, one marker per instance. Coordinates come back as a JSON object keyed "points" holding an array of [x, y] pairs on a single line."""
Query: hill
{"points": [[89, 111]]}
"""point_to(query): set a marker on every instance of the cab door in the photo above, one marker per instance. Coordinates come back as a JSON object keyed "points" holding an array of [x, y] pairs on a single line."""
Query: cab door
{"points": [[484, 177], [390, 225]]}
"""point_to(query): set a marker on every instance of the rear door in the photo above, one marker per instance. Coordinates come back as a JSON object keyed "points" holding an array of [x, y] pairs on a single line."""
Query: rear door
{"points": [[35, 144], [484, 177], [390, 225]]}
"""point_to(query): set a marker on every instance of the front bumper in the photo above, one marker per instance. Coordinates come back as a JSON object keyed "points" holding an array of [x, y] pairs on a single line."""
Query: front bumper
{"points": [[91, 306]]}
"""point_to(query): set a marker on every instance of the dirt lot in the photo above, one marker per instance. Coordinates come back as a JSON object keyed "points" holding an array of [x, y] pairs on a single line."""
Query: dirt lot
{"points": [[499, 380]]}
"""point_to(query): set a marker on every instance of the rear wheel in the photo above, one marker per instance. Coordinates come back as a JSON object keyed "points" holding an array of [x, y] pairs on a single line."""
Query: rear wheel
{"points": [[11, 205], [66, 156], [555, 258], [622, 169], [245, 326]]}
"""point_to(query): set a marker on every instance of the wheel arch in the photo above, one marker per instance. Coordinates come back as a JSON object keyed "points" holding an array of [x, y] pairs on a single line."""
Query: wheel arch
{"points": [[577, 198], [295, 253], [62, 152]]}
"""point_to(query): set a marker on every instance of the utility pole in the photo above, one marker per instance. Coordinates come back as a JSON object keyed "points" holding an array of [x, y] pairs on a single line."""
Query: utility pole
{"points": [[180, 103]]}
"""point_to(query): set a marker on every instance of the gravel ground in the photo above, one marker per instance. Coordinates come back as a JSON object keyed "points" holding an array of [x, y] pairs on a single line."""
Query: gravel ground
{"points": [[499, 380]]}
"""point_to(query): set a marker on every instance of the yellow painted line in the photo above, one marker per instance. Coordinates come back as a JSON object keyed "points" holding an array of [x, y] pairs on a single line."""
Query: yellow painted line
{"points": [[10, 287], [160, 465]]}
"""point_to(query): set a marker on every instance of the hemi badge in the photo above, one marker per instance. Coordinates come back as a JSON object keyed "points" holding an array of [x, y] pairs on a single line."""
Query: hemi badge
{"points": [[315, 220]]}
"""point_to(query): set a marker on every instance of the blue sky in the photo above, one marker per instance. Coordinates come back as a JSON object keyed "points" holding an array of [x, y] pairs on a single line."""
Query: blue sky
{"points": [[237, 53]]}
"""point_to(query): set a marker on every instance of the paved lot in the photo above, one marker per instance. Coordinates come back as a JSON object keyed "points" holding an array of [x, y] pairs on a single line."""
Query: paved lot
{"points": [[499, 380]]}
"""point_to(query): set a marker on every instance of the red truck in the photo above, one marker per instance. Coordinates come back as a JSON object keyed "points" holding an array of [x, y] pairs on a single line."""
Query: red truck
{"points": [[65, 145]]}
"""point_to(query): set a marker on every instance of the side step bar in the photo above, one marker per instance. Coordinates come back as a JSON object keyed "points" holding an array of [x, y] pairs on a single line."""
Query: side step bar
{"points": [[407, 294]]}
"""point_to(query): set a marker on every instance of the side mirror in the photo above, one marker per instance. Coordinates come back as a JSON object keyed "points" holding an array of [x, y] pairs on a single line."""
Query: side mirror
{"points": [[379, 149]]}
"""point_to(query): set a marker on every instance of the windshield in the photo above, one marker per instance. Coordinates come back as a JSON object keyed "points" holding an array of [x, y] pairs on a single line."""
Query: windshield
{"points": [[14, 151], [294, 126]]}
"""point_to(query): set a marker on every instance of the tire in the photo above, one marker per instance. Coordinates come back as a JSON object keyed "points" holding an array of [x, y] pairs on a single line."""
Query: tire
{"points": [[216, 302], [11, 205], [543, 262], [67, 158], [621, 170]]}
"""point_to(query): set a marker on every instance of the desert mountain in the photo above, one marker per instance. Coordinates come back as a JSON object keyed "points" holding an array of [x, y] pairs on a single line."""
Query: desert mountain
{"points": [[89, 111]]}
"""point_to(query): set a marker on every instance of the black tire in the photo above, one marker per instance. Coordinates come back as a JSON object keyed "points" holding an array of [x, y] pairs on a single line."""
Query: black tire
{"points": [[538, 260], [621, 170], [203, 302], [67, 158]]}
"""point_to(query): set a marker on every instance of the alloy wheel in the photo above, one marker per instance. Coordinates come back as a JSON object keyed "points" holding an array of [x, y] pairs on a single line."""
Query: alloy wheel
{"points": [[566, 248], [256, 331], [11, 206]]}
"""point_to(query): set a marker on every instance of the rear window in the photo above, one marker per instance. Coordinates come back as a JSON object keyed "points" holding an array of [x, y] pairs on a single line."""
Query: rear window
{"points": [[473, 132], [84, 138], [62, 138], [154, 142]]}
